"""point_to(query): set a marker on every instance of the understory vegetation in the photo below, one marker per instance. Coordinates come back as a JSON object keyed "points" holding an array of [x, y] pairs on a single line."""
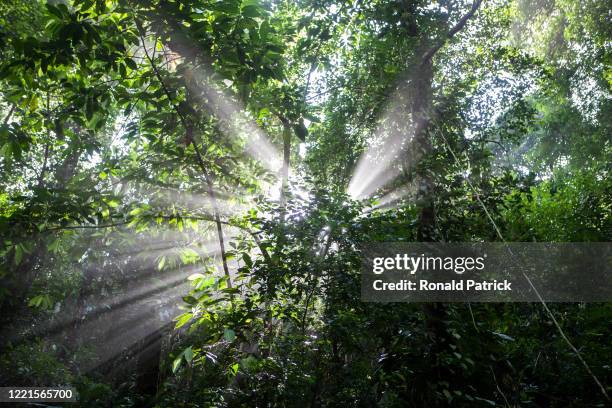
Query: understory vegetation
{"points": [[185, 185]]}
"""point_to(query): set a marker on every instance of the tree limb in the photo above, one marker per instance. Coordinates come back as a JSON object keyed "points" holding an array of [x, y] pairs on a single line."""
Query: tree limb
{"points": [[451, 33], [8, 116]]}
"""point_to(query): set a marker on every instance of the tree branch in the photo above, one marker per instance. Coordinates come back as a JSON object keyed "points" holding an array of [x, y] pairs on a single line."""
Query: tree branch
{"points": [[93, 226], [451, 33], [8, 116]]}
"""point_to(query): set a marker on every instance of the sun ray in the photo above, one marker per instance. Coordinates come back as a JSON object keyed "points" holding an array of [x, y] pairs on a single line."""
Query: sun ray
{"points": [[234, 119], [391, 199], [99, 305], [385, 158]]}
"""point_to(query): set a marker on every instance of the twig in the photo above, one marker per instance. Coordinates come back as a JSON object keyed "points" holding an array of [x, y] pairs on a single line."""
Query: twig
{"points": [[498, 388], [472, 314]]}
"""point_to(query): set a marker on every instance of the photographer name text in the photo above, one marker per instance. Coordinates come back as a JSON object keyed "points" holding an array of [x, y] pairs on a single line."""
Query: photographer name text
{"points": [[453, 285]]}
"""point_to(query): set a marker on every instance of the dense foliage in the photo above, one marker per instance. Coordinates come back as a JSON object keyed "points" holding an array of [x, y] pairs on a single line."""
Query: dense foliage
{"points": [[185, 184]]}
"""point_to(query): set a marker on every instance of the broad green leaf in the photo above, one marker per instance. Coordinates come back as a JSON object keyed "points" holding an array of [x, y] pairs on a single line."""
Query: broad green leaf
{"points": [[18, 254], [189, 256], [229, 335], [161, 263], [177, 363], [183, 319], [188, 353]]}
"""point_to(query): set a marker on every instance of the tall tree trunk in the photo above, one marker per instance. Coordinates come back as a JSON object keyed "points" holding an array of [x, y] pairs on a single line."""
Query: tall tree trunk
{"points": [[149, 357], [419, 95]]}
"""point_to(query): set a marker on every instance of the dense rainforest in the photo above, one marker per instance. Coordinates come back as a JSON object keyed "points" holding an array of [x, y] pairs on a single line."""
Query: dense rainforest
{"points": [[184, 185]]}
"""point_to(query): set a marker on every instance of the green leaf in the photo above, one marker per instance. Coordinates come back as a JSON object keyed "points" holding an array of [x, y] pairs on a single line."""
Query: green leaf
{"points": [[229, 7], [247, 260], [229, 335], [55, 11], [204, 283], [18, 254], [41, 301], [231, 291], [189, 256], [35, 301], [251, 11], [188, 353], [183, 319], [54, 246], [161, 263], [177, 363], [130, 63], [136, 211], [190, 300]]}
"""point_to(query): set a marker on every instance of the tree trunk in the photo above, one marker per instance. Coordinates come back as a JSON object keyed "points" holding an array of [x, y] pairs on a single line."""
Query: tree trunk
{"points": [[419, 99], [148, 361]]}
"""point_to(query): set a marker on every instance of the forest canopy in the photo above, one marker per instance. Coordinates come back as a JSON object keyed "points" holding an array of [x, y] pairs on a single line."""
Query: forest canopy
{"points": [[184, 185]]}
